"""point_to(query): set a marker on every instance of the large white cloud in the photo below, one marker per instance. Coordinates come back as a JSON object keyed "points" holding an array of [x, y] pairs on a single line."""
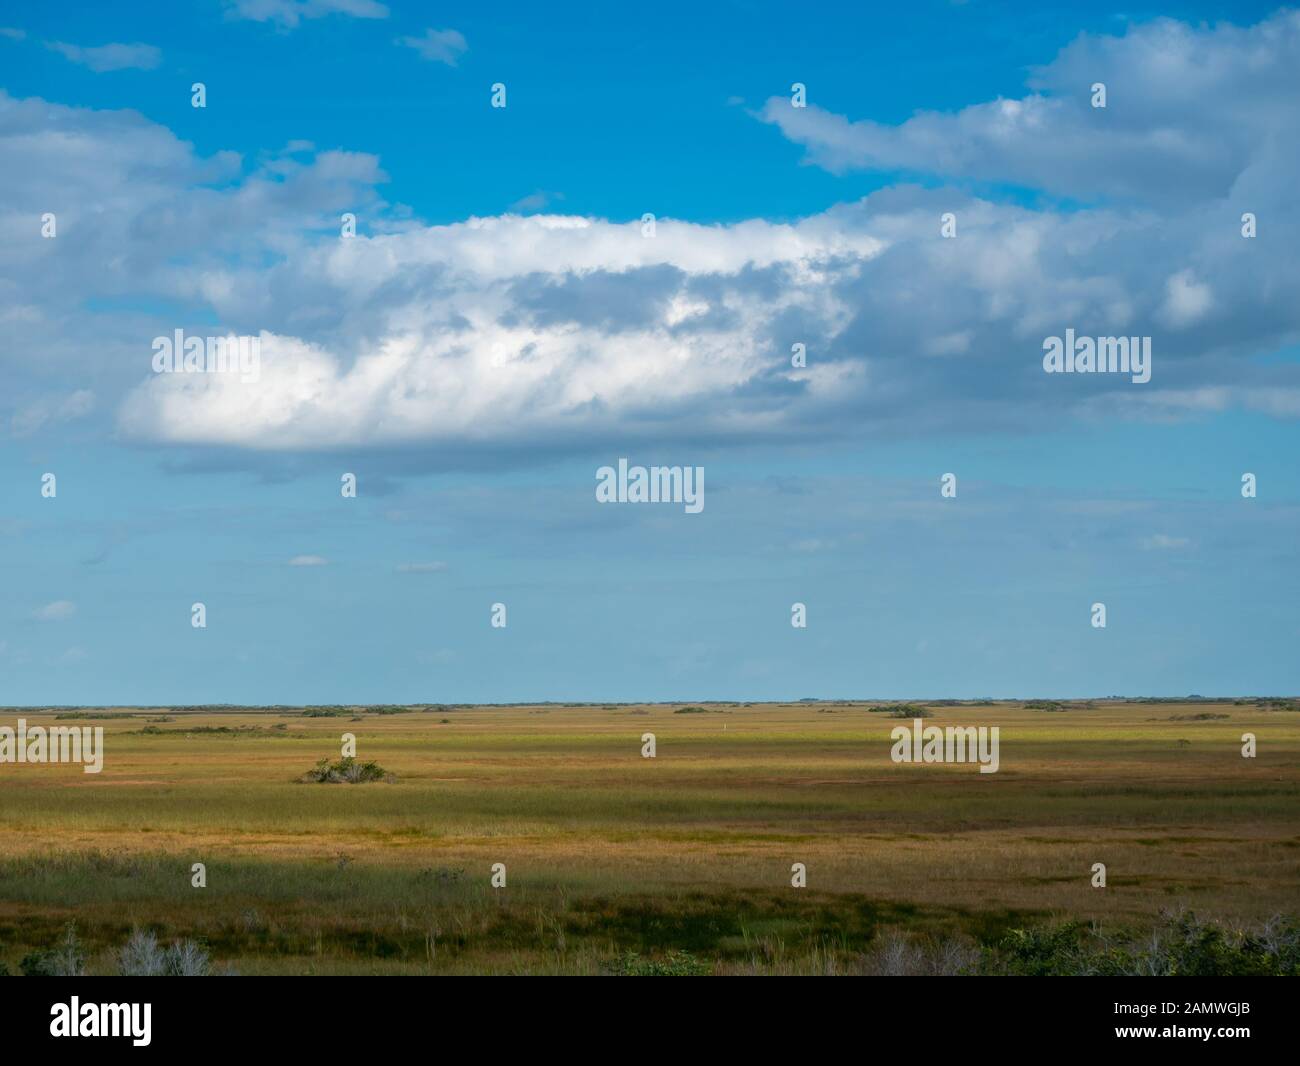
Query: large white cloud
{"points": [[479, 338]]}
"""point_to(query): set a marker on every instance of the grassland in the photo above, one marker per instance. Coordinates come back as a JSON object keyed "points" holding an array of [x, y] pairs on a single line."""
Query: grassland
{"points": [[609, 854]]}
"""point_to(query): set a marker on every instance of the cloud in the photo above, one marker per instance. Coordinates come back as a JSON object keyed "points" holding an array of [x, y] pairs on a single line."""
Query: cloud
{"points": [[308, 560], [58, 611], [438, 46], [1186, 300], [518, 335], [109, 57], [12, 33], [421, 568], [510, 328], [51, 410], [538, 200], [288, 13], [1190, 112]]}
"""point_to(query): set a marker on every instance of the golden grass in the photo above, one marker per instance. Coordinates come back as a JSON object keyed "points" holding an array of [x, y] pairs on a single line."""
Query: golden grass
{"points": [[346, 878]]}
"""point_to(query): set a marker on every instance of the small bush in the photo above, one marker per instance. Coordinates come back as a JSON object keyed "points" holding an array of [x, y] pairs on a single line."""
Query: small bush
{"points": [[900, 710], [346, 771], [673, 964], [909, 710], [897, 956], [65, 959], [141, 956]]}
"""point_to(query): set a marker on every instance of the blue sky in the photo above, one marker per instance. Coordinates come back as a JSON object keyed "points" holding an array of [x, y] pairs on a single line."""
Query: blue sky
{"points": [[500, 328]]}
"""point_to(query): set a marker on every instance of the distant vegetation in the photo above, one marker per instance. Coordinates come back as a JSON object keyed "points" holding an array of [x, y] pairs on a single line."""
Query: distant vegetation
{"points": [[213, 730], [901, 710]]}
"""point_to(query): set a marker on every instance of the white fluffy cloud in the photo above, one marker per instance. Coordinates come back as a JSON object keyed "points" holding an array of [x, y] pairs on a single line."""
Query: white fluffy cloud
{"points": [[486, 333]]}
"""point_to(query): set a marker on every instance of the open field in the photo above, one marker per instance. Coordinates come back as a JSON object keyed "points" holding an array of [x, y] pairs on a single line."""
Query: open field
{"points": [[608, 853]]}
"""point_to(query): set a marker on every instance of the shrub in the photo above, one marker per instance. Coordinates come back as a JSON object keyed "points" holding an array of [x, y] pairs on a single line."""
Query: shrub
{"points": [[65, 959], [909, 710], [673, 964], [897, 956], [900, 710], [345, 771], [1182, 946], [141, 956]]}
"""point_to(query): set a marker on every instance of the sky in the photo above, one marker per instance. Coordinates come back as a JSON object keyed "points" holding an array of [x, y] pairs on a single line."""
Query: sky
{"points": [[506, 320]]}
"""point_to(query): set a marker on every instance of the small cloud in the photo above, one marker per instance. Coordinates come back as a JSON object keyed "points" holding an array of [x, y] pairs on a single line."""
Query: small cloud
{"points": [[108, 57], [735, 101], [438, 46], [308, 560], [12, 34], [288, 13], [50, 411], [73, 655], [1186, 300], [421, 568], [58, 611], [535, 201], [1162, 541]]}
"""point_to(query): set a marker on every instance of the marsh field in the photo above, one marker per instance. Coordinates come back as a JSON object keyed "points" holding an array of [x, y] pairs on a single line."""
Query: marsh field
{"points": [[624, 864]]}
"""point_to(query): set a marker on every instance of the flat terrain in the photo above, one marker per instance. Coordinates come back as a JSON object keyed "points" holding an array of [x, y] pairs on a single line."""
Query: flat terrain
{"points": [[608, 853]]}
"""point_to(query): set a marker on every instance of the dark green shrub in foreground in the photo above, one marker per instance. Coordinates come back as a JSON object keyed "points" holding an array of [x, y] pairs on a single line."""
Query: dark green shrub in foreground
{"points": [[66, 959], [673, 964], [1182, 946]]}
